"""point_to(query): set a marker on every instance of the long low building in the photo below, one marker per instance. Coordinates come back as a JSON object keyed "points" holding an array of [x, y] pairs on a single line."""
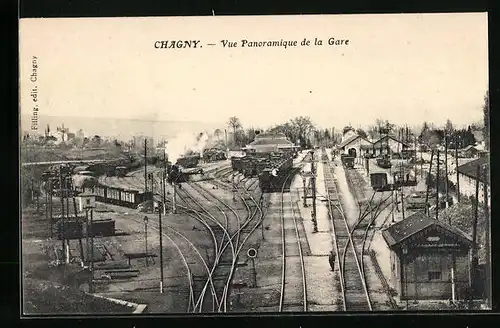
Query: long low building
{"points": [[468, 178], [266, 143]]}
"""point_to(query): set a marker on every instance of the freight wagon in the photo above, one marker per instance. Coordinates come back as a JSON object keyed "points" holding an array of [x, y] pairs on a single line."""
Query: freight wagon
{"points": [[348, 161], [117, 196], [384, 162], [213, 154], [236, 164], [188, 161], [379, 181]]}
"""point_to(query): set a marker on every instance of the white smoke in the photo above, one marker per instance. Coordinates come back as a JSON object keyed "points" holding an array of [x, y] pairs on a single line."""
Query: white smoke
{"points": [[184, 142]]}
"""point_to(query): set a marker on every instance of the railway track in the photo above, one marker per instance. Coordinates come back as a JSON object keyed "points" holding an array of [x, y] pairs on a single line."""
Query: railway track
{"points": [[354, 291], [292, 258]]}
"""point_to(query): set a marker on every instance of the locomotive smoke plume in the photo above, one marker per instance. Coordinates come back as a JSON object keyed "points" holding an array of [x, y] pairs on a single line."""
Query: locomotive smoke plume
{"points": [[185, 142]]}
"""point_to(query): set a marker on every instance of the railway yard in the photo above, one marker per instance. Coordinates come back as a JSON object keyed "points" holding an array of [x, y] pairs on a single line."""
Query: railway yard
{"points": [[227, 246]]}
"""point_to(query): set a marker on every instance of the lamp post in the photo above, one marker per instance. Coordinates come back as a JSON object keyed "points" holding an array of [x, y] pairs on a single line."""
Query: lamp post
{"points": [[146, 237], [161, 250]]}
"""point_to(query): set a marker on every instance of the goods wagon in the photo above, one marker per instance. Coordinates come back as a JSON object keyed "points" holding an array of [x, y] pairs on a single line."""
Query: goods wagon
{"points": [[236, 164], [70, 228], [213, 154], [384, 162], [348, 162], [188, 161], [271, 179], [379, 181], [117, 196], [103, 228], [407, 178]]}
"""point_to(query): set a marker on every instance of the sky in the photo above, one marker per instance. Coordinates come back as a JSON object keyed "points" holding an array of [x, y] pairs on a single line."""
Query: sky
{"points": [[405, 68]]}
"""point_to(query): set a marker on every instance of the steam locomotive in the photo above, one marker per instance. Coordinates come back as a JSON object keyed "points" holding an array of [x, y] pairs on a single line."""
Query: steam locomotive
{"points": [[271, 179]]}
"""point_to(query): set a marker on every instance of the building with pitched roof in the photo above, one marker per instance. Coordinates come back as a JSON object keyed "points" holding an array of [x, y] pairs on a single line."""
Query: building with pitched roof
{"points": [[468, 177], [429, 259], [266, 143], [355, 146], [388, 145]]}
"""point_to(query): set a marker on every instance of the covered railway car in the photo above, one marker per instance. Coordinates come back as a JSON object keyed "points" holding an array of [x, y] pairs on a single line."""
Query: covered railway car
{"points": [[117, 196], [379, 181], [213, 154], [348, 162], [188, 161], [236, 164]]}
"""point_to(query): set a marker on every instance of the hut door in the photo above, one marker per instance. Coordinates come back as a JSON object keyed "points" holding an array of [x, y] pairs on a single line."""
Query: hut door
{"points": [[352, 152]]}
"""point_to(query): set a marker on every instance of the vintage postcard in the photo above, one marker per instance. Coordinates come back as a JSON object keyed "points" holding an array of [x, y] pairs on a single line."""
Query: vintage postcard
{"points": [[314, 163]]}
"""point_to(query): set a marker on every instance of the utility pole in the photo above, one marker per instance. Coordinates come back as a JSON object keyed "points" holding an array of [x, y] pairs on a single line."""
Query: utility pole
{"points": [[487, 239], [428, 183], [474, 238], [145, 165], [305, 190], [66, 191], [174, 207], [456, 168], [313, 171], [87, 233], [50, 208], [92, 249], [164, 199], [161, 251], [446, 171], [62, 228], [146, 237], [437, 186]]}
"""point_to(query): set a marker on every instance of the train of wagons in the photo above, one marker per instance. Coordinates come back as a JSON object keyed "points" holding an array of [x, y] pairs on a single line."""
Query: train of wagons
{"points": [[381, 182], [271, 168]]}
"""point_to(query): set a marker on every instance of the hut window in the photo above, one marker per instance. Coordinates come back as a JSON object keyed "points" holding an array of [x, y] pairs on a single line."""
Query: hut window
{"points": [[434, 275]]}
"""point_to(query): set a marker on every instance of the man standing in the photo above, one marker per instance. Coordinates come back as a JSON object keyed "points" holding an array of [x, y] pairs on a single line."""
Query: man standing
{"points": [[331, 259]]}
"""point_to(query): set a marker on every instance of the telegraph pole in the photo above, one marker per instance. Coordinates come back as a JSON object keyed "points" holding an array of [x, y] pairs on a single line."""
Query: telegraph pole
{"points": [[488, 237], [456, 168], [164, 184], [50, 209], [145, 165], [62, 229], [428, 183], [474, 238], [92, 249], [161, 251], [446, 170], [437, 187], [313, 187]]}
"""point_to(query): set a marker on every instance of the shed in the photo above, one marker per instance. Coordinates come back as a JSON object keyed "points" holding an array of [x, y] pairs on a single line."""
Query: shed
{"points": [[429, 259], [470, 151]]}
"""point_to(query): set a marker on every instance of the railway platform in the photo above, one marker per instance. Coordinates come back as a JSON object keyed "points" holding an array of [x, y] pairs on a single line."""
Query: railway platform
{"points": [[322, 286]]}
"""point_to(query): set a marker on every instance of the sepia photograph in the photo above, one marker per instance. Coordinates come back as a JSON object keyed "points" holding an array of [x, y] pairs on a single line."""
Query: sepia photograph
{"points": [[254, 164]]}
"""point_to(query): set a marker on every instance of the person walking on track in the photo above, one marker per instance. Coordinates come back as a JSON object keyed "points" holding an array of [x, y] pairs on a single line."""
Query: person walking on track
{"points": [[331, 259]]}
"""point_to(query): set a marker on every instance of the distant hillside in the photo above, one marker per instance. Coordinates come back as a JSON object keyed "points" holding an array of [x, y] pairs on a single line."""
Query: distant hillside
{"points": [[122, 129]]}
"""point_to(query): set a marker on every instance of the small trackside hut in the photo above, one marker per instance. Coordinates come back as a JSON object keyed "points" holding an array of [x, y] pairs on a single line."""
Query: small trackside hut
{"points": [[429, 259]]}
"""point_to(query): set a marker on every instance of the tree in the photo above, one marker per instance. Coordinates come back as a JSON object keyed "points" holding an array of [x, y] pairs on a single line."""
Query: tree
{"points": [[235, 124], [347, 129], [448, 127], [96, 141], [302, 126], [217, 134], [486, 120], [361, 133]]}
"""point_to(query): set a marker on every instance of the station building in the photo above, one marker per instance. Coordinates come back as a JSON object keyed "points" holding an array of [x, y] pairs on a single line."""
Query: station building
{"points": [[429, 259], [267, 143], [355, 145], [388, 145]]}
